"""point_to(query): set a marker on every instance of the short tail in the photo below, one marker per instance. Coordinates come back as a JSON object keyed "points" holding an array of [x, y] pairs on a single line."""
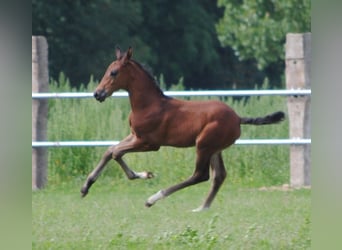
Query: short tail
{"points": [[268, 119]]}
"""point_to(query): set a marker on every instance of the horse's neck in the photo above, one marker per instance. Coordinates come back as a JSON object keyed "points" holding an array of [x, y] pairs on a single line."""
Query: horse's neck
{"points": [[141, 101], [143, 93]]}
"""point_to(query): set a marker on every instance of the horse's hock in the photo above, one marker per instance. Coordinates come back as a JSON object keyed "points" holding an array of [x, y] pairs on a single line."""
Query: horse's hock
{"points": [[40, 83], [298, 67]]}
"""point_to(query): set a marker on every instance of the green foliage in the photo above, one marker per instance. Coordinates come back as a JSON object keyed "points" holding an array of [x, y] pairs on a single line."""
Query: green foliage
{"points": [[183, 37], [82, 34], [257, 29], [86, 119], [176, 38]]}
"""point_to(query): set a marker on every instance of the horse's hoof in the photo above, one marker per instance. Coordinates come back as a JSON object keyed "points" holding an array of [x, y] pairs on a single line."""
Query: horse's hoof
{"points": [[147, 204], [149, 175], [84, 192], [142, 175]]}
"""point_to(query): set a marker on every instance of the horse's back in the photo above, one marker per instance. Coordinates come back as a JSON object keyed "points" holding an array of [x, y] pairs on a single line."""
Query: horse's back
{"points": [[188, 120], [207, 111]]}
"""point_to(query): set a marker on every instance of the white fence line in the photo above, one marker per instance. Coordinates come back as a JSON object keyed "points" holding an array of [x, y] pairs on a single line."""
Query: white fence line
{"points": [[287, 92], [110, 143], [291, 92]]}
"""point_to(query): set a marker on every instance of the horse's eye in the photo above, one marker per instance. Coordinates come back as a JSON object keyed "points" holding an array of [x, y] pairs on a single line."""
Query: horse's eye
{"points": [[113, 73]]}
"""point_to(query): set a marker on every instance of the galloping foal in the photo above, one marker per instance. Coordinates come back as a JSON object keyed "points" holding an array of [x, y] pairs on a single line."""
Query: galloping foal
{"points": [[158, 120]]}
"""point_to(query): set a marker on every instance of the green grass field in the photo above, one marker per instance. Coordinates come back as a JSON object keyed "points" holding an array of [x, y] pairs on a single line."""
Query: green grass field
{"points": [[113, 216]]}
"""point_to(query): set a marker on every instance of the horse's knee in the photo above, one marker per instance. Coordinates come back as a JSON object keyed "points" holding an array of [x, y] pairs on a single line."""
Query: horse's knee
{"points": [[108, 154], [115, 155]]}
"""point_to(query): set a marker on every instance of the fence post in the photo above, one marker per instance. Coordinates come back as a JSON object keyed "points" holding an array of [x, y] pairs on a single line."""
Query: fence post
{"points": [[297, 71], [40, 81]]}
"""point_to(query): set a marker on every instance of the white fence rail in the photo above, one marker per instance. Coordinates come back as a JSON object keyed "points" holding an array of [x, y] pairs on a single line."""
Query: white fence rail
{"points": [[287, 92], [294, 141], [291, 92]]}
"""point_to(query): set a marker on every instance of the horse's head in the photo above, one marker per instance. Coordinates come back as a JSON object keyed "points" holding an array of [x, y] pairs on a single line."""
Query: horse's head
{"points": [[114, 77]]}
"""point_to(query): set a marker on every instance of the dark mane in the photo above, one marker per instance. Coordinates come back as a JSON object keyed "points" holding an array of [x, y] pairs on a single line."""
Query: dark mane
{"points": [[153, 79]]}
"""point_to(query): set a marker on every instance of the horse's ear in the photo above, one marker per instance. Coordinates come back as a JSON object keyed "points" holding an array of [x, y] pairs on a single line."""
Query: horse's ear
{"points": [[129, 53], [117, 52]]}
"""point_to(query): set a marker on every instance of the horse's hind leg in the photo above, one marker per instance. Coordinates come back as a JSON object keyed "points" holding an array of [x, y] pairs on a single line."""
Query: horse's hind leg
{"points": [[219, 175], [200, 174]]}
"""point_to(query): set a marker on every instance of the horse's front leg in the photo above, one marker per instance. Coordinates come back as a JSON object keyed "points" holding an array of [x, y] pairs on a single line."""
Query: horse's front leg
{"points": [[96, 172], [132, 175], [132, 144], [129, 144]]}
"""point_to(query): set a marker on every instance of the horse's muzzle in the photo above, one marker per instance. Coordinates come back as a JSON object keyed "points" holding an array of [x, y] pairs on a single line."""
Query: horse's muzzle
{"points": [[100, 95]]}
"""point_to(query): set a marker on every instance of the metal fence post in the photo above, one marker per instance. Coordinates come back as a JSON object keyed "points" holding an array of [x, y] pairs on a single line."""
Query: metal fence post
{"points": [[297, 71], [40, 81]]}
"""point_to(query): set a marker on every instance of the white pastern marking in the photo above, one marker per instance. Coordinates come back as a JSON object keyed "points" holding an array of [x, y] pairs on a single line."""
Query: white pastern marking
{"points": [[142, 175], [154, 198]]}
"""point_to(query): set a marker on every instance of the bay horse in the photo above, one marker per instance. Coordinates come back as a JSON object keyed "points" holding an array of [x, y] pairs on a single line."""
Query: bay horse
{"points": [[158, 120]]}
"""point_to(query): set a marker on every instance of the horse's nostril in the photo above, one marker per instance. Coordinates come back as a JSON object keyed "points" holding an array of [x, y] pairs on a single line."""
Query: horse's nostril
{"points": [[100, 95]]}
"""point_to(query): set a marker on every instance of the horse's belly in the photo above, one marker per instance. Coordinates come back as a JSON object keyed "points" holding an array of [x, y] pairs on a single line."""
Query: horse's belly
{"points": [[176, 142], [180, 136]]}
